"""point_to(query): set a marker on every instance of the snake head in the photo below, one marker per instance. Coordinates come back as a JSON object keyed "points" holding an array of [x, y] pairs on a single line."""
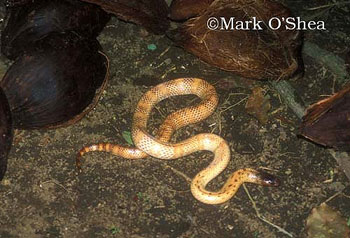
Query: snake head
{"points": [[267, 179]]}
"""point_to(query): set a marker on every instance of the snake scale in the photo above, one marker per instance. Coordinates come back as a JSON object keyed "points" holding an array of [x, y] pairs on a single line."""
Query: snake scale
{"points": [[159, 146]]}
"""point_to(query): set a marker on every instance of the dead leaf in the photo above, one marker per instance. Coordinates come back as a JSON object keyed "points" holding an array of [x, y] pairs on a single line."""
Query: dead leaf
{"points": [[326, 222], [258, 105]]}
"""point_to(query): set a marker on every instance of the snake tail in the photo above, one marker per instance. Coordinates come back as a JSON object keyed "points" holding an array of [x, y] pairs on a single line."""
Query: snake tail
{"points": [[122, 151]]}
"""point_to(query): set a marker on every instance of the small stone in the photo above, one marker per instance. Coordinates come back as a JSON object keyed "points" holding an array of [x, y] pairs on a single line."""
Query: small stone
{"points": [[288, 172], [167, 61], [151, 47]]}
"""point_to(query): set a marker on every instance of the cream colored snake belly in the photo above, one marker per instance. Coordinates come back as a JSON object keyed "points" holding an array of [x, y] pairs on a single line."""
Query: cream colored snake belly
{"points": [[159, 147]]}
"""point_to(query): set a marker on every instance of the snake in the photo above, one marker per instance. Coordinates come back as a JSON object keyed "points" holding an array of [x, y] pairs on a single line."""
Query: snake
{"points": [[159, 146]]}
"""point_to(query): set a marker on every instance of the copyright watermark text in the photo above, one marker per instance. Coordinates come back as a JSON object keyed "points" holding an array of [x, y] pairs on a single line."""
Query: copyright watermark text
{"points": [[275, 23]]}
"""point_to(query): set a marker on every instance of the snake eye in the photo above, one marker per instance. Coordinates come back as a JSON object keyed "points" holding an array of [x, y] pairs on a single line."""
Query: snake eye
{"points": [[269, 179]]}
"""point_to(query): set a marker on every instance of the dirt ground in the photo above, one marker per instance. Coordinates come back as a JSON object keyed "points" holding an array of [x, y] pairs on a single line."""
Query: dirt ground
{"points": [[43, 196]]}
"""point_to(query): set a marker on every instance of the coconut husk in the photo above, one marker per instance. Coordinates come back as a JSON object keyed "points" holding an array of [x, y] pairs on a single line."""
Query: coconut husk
{"points": [[327, 122], [256, 54], [151, 14], [184, 9]]}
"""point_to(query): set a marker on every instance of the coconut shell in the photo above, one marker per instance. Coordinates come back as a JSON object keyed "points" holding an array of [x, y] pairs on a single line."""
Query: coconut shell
{"points": [[151, 14], [257, 54], [327, 122], [26, 25], [53, 85]]}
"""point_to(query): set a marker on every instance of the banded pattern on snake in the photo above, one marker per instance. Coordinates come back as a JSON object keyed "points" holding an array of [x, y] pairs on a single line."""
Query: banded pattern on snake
{"points": [[159, 147]]}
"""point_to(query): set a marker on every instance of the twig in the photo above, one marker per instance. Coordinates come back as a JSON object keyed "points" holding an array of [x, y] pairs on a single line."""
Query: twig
{"points": [[59, 185], [333, 63], [333, 196], [328, 5], [188, 179], [164, 52], [261, 217], [231, 106], [343, 161], [168, 71], [287, 92]]}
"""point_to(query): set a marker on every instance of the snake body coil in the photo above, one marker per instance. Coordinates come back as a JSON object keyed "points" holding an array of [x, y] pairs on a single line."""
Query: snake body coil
{"points": [[159, 147]]}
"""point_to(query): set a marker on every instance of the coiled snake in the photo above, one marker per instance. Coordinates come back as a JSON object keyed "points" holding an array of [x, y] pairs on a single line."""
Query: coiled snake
{"points": [[159, 147]]}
